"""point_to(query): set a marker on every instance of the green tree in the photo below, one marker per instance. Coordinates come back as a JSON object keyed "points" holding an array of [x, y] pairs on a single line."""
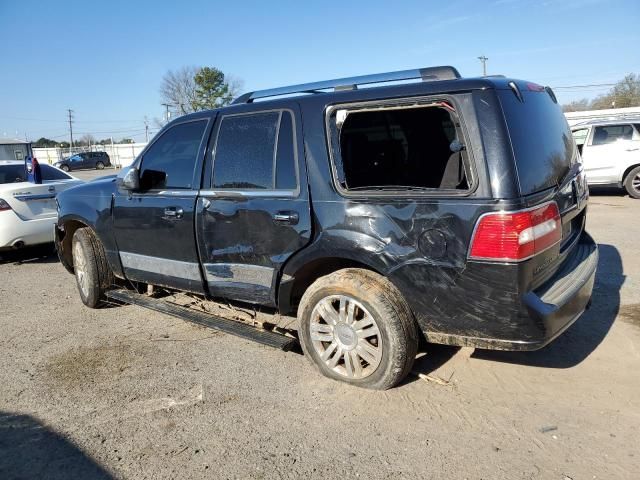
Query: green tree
{"points": [[625, 93], [212, 91], [43, 142]]}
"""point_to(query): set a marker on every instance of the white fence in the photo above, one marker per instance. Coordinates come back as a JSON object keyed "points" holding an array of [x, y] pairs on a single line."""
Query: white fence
{"points": [[618, 113], [121, 154]]}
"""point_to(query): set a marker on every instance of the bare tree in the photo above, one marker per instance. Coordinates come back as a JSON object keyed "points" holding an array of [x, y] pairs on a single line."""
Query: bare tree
{"points": [[236, 84], [86, 140], [178, 90], [625, 93], [577, 106]]}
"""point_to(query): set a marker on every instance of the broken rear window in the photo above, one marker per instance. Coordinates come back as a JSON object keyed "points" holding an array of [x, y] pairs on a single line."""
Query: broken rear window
{"points": [[395, 148]]}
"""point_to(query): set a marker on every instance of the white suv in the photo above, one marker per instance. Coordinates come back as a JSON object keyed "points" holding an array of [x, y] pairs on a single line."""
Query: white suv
{"points": [[610, 152]]}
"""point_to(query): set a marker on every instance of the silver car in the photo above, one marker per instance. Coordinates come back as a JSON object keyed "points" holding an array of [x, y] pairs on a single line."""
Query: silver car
{"points": [[610, 152]]}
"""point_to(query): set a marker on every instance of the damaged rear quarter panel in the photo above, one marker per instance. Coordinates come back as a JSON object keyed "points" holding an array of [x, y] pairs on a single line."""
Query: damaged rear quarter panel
{"points": [[446, 293]]}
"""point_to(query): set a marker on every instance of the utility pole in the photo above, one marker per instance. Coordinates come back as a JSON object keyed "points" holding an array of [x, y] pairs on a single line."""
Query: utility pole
{"points": [[483, 59], [70, 126], [146, 129], [167, 111]]}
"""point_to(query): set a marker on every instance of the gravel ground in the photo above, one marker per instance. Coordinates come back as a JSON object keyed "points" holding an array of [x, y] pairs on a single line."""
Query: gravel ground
{"points": [[124, 392]]}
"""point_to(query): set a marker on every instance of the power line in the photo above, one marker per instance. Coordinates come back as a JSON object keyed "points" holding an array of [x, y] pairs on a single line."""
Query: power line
{"points": [[50, 120], [592, 85]]}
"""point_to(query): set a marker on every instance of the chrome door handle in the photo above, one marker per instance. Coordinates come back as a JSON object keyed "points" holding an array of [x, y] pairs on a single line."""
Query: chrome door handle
{"points": [[173, 212], [286, 218]]}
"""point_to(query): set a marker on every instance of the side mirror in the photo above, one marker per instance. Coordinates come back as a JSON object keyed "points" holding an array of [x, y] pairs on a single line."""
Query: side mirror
{"points": [[131, 180]]}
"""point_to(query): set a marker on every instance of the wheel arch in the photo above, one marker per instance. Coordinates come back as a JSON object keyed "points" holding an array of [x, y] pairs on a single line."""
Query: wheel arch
{"points": [[295, 281], [65, 228], [628, 170]]}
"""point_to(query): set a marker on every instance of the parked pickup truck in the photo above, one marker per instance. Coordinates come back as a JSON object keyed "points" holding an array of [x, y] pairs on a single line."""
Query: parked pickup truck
{"points": [[449, 210]]}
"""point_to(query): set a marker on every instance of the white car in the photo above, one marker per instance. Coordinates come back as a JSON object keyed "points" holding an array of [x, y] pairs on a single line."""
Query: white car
{"points": [[610, 152], [27, 210]]}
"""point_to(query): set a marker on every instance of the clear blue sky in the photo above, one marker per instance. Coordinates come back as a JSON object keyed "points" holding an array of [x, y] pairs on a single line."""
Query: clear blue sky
{"points": [[105, 60]]}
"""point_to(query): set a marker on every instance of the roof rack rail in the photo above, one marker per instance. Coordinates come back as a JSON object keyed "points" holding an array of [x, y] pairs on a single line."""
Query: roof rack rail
{"points": [[351, 83]]}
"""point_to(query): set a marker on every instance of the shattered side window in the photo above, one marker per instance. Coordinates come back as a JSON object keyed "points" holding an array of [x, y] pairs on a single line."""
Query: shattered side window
{"points": [[418, 147], [245, 151]]}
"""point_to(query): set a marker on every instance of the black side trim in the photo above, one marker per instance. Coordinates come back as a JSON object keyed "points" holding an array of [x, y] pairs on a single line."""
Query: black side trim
{"points": [[231, 327]]}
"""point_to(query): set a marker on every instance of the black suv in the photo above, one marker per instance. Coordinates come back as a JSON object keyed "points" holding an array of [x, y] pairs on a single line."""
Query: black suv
{"points": [[97, 160], [447, 209]]}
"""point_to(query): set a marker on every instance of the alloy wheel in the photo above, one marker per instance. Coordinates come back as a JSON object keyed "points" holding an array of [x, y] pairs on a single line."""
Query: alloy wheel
{"points": [[80, 268], [346, 336]]}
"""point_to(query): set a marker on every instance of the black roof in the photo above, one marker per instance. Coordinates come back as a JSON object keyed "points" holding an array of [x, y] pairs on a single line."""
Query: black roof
{"points": [[432, 80]]}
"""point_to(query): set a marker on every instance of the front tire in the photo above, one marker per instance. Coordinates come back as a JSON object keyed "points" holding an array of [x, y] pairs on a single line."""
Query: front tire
{"points": [[632, 183], [92, 272], [356, 327], [64, 168]]}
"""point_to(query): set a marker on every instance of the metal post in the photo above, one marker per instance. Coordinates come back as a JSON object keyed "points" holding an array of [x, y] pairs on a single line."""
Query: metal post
{"points": [[70, 126], [166, 118], [113, 152], [483, 59]]}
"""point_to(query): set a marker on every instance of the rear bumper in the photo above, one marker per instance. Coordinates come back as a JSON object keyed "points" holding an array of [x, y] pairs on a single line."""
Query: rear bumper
{"points": [[545, 312], [561, 301]]}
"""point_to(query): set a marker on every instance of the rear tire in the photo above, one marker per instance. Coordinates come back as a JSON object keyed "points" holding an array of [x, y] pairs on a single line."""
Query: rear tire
{"points": [[99, 165], [92, 272], [632, 183], [356, 327]]}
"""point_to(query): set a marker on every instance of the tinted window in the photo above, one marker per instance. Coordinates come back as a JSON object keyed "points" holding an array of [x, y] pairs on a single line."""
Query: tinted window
{"points": [[170, 161], [12, 173], [285, 156], [540, 137], [611, 133], [51, 173], [245, 151]]}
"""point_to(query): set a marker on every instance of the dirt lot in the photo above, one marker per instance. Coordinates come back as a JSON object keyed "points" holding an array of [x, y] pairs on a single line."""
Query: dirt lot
{"points": [[127, 393]]}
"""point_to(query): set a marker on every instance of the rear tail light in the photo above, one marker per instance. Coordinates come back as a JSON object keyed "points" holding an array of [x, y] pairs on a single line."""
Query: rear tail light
{"points": [[4, 205], [516, 236]]}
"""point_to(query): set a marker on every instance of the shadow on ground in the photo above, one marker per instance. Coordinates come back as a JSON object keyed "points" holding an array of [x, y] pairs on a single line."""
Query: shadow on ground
{"points": [[38, 254], [608, 191], [582, 338], [30, 450]]}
